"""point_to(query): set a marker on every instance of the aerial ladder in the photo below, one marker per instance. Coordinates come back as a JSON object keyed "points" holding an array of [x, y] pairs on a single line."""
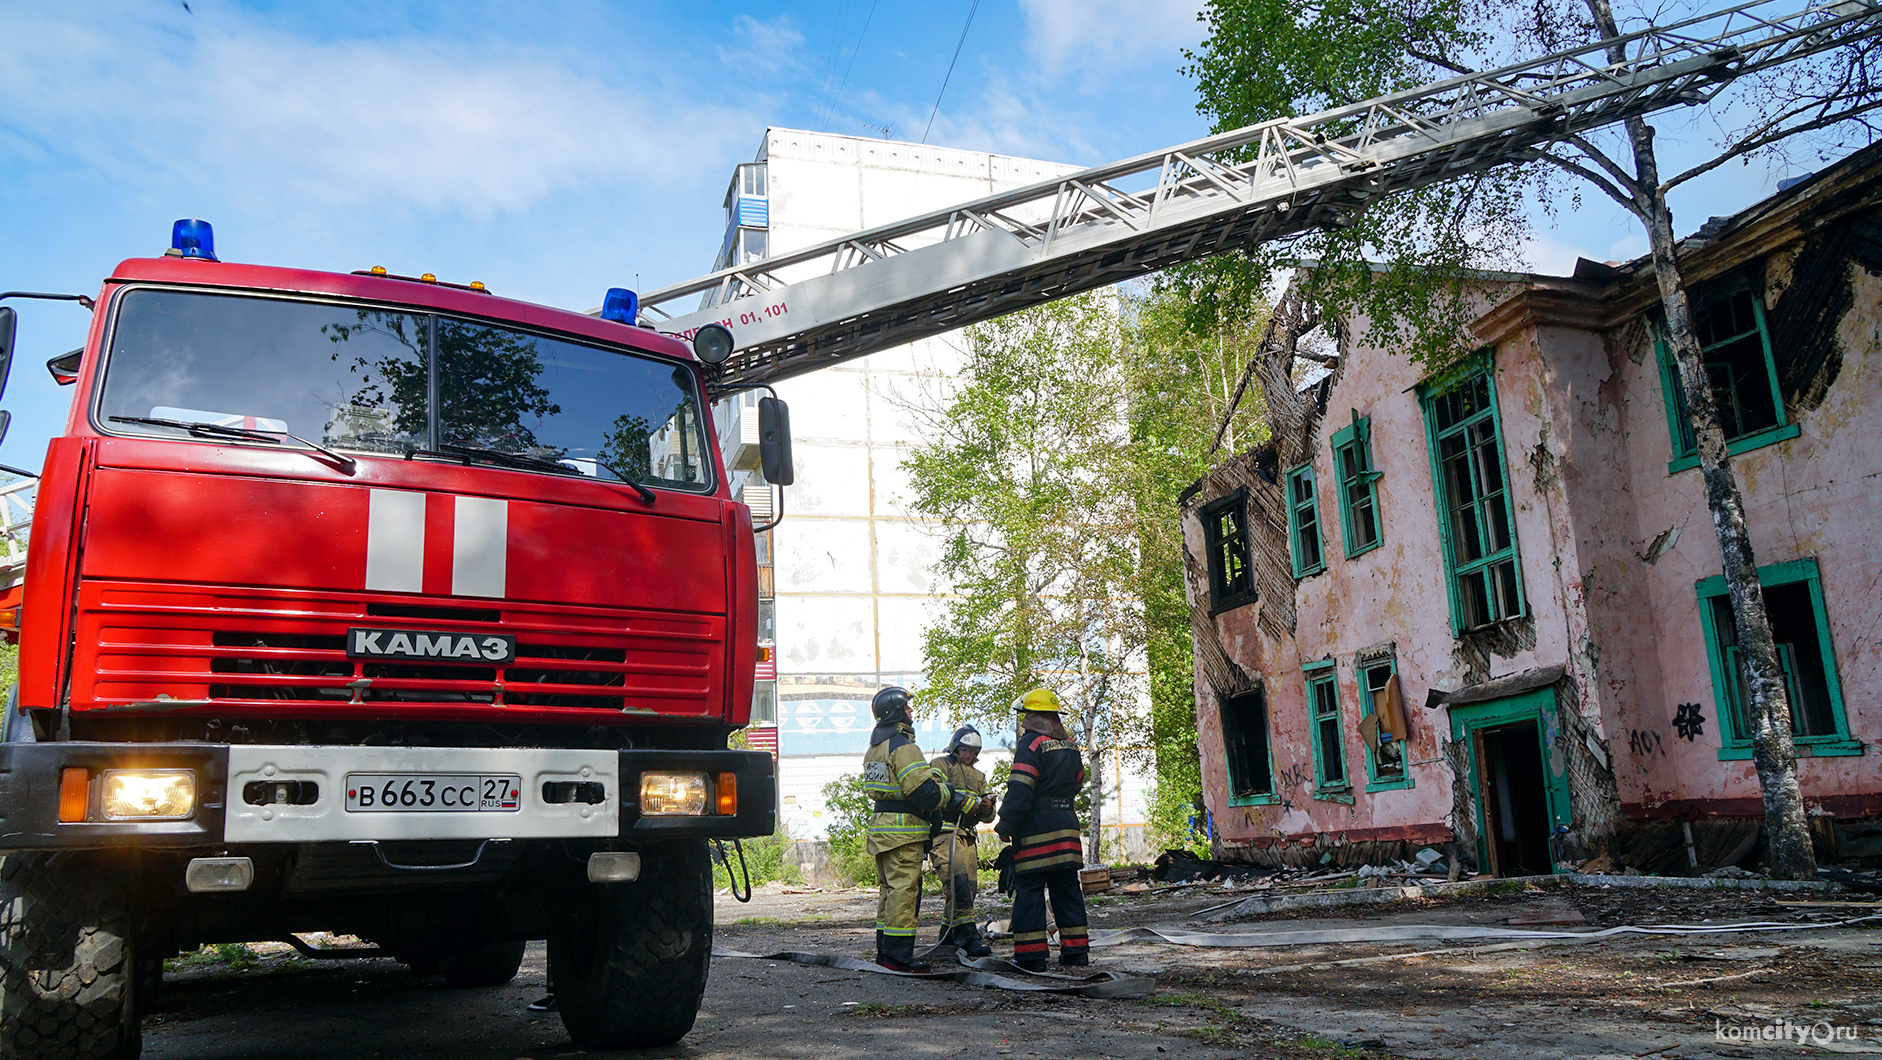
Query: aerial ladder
{"points": [[886, 286]]}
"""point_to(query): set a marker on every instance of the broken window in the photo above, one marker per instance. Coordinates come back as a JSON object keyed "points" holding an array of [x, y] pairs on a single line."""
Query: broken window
{"points": [[1474, 517], [1329, 749], [1793, 600], [1231, 569], [1303, 522], [1736, 349], [1359, 497], [1382, 725], [1245, 746]]}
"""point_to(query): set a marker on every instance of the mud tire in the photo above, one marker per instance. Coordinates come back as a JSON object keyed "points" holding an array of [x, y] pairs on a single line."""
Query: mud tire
{"points": [[629, 964], [68, 969]]}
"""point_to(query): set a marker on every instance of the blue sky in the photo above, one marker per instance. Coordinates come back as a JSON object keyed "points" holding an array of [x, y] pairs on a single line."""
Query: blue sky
{"points": [[550, 150]]}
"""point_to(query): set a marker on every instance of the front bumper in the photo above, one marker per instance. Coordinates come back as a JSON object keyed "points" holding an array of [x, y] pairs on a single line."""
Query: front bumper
{"points": [[30, 776]]}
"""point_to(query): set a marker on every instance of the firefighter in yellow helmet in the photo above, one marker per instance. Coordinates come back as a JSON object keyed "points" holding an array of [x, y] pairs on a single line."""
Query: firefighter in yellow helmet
{"points": [[910, 798], [1038, 818], [956, 858]]}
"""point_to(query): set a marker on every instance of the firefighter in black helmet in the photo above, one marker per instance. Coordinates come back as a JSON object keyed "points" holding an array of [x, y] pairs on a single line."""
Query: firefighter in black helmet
{"points": [[909, 796], [956, 858]]}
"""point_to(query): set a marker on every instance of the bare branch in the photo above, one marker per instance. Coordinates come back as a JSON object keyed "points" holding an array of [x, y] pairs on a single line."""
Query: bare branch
{"points": [[1745, 147], [1599, 157], [1592, 177]]}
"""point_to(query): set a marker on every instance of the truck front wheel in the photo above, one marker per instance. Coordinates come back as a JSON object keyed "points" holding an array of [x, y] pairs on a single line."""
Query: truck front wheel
{"points": [[629, 964], [68, 979]]}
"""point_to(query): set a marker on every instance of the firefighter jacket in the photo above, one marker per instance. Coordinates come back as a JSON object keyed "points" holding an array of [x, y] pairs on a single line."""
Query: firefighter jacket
{"points": [[972, 784], [1037, 812], [908, 792]]}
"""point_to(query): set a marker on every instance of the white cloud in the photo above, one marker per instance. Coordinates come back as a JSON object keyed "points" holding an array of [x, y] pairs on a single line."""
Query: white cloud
{"points": [[239, 109], [771, 46], [1092, 38]]}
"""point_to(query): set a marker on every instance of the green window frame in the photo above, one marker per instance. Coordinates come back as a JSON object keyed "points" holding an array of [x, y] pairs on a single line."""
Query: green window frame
{"points": [[1382, 774], [1247, 749], [1793, 596], [1330, 776], [1303, 523], [1360, 528], [1735, 345], [1231, 564], [1476, 519]]}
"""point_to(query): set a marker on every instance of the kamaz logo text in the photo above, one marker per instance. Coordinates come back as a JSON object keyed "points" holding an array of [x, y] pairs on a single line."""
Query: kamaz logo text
{"points": [[434, 647]]}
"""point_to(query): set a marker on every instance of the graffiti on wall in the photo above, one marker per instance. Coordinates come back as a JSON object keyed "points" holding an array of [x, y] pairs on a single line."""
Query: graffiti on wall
{"points": [[1645, 742], [1688, 722]]}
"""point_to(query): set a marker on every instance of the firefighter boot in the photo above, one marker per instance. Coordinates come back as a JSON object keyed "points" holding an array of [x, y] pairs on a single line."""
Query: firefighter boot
{"points": [[967, 937]]}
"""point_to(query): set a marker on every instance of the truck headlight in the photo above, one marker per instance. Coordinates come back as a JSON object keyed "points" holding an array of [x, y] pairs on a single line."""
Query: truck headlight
{"points": [[672, 794], [148, 794]]}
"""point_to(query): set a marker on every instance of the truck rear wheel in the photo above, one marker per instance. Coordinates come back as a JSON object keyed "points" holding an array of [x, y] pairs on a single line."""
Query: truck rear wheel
{"points": [[68, 978], [629, 966]]}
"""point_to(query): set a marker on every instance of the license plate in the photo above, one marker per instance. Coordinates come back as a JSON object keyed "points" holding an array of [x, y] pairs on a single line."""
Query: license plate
{"points": [[433, 792]]}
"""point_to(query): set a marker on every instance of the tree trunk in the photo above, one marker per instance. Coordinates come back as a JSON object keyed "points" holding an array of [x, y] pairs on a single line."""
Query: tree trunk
{"points": [[1787, 832]]}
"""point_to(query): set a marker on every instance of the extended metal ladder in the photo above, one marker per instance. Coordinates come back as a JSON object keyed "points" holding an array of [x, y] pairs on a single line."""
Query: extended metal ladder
{"points": [[885, 286]]}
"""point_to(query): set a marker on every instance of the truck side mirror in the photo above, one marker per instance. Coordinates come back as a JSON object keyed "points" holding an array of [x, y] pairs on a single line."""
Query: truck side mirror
{"points": [[774, 441], [9, 323], [6, 420], [64, 367]]}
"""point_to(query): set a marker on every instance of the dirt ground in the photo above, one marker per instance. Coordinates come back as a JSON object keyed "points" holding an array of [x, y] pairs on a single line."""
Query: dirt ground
{"points": [[1711, 995]]}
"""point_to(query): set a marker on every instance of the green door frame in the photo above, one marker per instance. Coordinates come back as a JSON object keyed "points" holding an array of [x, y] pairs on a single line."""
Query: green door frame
{"points": [[1537, 706]]}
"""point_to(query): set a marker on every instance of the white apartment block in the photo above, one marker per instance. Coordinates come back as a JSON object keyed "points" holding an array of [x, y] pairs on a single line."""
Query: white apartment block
{"points": [[853, 574]]}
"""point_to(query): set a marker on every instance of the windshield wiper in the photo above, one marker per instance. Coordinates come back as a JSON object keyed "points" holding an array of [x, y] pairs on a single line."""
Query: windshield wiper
{"points": [[217, 430], [516, 460], [534, 463], [645, 493], [203, 430]]}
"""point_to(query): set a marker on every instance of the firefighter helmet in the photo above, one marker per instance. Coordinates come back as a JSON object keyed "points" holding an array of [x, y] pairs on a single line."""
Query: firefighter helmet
{"points": [[890, 704], [1037, 701], [966, 736]]}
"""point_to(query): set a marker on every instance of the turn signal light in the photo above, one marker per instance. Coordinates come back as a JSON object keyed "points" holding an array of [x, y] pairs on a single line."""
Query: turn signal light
{"points": [[728, 794], [148, 794], [74, 795]]}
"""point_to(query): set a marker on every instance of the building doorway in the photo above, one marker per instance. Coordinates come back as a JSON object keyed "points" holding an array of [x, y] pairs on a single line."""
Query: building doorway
{"points": [[1513, 795], [1516, 785]]}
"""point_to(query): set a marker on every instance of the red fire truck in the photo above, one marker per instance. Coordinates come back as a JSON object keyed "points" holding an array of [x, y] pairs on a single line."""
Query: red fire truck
{"points": [[380, 606]]}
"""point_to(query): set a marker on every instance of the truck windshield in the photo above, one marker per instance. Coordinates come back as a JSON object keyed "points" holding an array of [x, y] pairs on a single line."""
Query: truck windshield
{"points": [[390, 381]]}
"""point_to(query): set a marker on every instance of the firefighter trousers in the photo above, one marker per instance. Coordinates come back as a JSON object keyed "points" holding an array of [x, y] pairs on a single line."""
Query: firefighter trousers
{"points": [[966, 880], [1030, 947], [898, 870]]}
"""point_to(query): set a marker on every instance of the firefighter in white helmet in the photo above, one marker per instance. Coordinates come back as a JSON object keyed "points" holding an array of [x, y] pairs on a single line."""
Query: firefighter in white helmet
{"points": [[958, 860]]}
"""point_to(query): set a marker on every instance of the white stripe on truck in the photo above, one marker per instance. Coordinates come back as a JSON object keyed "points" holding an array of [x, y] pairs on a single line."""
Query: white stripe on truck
{"points": [[395, 542]]}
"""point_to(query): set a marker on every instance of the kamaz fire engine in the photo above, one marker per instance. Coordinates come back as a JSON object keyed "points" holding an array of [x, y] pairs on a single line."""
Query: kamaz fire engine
{"points": [[378, 606]]}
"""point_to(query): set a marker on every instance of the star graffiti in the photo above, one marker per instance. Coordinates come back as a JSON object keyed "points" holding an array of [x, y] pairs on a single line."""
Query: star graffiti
{"points": [[1688, 722]]}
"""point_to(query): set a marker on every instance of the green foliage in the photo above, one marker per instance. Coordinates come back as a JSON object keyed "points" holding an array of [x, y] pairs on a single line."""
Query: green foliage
{"points": [[1026, 473], [9, 665], [765, 860], [1267, 59], [849, 808], [1186, 367]]}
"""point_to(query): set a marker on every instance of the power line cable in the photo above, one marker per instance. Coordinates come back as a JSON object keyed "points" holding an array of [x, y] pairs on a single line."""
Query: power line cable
{"points": [[950, 74], [838, 98]]}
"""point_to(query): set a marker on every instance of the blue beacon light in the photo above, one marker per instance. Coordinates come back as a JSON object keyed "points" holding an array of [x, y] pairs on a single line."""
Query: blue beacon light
{"points": [[621, 306], [193, 238]]}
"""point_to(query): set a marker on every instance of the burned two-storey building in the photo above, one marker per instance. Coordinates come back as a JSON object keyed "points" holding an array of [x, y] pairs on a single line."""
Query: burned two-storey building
{"points": [[1483, 605]]}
